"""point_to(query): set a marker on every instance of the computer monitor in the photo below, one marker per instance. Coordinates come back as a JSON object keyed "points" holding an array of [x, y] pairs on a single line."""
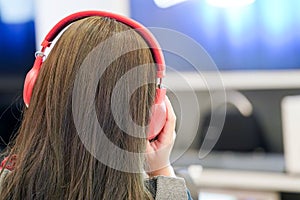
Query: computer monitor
{"points": [[254, 46], [17, 42], [17, 48]]}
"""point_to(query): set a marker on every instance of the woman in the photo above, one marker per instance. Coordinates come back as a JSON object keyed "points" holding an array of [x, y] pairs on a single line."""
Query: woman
{"points": [[53, 159]]}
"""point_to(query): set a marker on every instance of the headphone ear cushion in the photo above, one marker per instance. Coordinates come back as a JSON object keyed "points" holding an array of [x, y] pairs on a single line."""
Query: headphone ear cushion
{"points": [[30, 80], [158, 114]]}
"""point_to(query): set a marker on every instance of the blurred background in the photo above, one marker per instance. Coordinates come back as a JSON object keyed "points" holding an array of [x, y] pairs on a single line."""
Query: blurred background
{"points": [[255, 46]]}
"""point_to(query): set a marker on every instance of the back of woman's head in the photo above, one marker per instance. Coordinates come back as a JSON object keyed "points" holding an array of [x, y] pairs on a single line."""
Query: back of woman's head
{"points": [[93, 68]]}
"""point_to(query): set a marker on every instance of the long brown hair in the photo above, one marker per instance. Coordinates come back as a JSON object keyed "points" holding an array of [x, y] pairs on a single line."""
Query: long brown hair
{"points": [[52, 162]]}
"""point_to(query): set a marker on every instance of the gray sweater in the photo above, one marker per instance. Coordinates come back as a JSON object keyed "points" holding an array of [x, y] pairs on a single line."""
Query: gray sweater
{"points": [[161, 187]]}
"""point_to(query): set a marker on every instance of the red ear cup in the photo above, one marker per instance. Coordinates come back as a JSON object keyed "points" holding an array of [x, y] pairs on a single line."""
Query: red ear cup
{"points": [[31, 79], [158, 114]]}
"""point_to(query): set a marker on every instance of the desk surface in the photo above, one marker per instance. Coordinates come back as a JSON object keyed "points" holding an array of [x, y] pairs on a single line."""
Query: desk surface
{"points": [[235, 172], [248, 180]]}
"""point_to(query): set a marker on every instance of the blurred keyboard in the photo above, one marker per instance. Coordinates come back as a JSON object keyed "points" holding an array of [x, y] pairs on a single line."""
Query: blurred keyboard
{"points": [[231, 160]]}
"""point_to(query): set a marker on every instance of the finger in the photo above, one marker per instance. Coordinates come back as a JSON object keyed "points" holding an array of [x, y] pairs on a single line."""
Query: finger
{"points": [[170, 111], [166, 136], [148, 147]]}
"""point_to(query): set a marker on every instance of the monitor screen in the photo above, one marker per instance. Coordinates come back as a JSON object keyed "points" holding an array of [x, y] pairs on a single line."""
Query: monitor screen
{"points": [[17, 37], [17, 48], [264, 35]]}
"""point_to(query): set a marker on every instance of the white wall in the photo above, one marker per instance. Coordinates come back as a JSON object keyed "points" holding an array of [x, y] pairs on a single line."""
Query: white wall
{"points": [[49, 12]]}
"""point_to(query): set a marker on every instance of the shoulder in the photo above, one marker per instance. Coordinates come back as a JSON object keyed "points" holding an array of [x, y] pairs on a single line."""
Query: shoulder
{"points": [[163, 187]]}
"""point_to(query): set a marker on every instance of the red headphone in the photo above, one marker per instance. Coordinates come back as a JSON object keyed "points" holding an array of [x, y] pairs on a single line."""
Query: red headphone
{"points": [[158, 111]]}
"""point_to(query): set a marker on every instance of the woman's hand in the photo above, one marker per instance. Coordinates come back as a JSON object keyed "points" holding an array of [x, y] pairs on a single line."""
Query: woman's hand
{"points": [[158, 151]]}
